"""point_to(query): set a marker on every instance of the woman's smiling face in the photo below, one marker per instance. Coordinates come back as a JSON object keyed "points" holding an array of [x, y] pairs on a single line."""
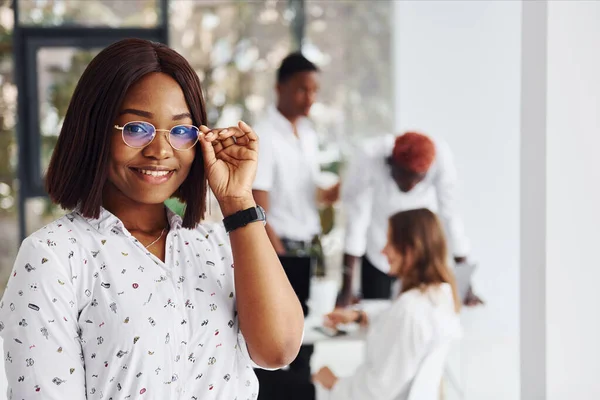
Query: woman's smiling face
{"points": [[152, 174]]}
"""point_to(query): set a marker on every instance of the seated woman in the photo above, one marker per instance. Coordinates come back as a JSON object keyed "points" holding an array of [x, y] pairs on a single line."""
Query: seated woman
{"points": [[423, 316]]}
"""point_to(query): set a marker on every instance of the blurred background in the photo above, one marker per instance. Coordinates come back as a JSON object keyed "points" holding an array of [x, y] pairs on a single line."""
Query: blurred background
{"points": [[472, 72]]}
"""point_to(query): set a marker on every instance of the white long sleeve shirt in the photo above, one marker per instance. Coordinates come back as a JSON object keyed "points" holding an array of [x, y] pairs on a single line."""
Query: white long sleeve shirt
{"points": [[370, 196], [89, 313], [288, 167], [397, 341]]}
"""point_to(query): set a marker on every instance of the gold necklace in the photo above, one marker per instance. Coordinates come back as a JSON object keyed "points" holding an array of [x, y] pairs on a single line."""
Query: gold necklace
{"points": [[157, 239]]}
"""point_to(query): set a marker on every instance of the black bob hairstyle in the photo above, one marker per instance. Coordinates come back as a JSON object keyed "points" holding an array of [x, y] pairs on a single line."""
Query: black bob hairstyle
{"points": [[78, 168]]}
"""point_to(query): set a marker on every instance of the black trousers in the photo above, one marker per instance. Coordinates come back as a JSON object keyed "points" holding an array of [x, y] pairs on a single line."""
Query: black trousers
{"points": [[293, 384], [375, 284]]}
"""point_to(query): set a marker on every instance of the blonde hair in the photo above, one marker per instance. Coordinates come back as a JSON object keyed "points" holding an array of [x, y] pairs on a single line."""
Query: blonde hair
{"points": [[420, 233]]}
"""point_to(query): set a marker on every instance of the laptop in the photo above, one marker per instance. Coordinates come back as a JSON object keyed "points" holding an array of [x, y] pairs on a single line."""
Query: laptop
{"points": [[299, 271], [463, 273]]}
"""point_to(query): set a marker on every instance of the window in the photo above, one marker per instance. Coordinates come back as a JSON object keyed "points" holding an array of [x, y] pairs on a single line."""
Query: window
{"points": [[236, 47], [58, 71], [350, 41], [91, 13], [8, 148]]}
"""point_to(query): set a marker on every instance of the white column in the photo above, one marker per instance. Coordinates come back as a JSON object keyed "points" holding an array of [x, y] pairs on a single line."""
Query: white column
{"points": [[560, 199], [533, 201]]}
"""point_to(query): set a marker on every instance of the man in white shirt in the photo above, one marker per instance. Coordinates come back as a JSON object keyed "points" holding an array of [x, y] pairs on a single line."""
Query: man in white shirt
{"points": [[387, 175], [285, 184]]}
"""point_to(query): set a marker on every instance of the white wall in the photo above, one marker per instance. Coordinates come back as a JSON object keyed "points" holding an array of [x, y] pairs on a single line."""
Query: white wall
{"points": [[457, 76], [561, 101], [573, 198]]}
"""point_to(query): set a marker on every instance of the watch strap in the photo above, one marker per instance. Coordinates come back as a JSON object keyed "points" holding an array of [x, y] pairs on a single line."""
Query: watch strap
{"points": [[244, 217]]}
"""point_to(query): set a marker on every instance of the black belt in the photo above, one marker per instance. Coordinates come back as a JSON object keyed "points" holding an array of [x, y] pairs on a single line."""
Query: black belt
{"points": [[298, 247], [306, 248]]}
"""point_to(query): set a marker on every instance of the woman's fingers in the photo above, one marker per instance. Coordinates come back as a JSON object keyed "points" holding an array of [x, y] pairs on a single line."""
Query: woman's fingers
{"points": [[247, 130], [208, 150], [250, 135], [222, 138], [227, 137], [217, 146], [209, 134], [225, 133], [242, 141]]}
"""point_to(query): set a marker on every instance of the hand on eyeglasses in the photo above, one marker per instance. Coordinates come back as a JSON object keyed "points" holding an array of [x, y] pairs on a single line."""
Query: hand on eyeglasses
{"points": [[230, 161]]}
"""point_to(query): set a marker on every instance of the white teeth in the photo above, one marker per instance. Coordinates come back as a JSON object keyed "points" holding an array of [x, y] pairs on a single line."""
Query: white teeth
{"points": [[153, 173]]}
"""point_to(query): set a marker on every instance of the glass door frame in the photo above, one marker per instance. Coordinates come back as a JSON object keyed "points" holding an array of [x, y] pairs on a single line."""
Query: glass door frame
{"points": [[27, 41]]}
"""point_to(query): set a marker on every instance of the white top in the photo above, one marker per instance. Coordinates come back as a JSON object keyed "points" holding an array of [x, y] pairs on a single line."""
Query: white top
{"points": [[398, 340], [288, 167], [370, 196], [88, 311]]}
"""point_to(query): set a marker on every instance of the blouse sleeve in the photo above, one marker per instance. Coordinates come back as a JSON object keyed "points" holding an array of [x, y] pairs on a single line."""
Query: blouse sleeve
{"points": [[39, 328], [391, 360]]}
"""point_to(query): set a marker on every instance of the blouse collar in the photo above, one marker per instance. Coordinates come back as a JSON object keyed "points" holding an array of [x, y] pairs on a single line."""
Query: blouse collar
{"points": [[107, 221]]}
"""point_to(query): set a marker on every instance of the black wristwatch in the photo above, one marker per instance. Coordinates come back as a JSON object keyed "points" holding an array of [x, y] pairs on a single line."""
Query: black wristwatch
{"points": [[244, 217]]}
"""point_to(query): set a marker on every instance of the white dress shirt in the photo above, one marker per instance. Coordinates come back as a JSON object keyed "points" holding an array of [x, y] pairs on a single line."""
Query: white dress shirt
{"points": [[397, 341], [90, 313], [288, 168], [370, 196]]}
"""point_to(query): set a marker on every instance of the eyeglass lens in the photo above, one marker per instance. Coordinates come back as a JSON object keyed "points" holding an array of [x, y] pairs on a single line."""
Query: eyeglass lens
{"points": [[140, 134]]}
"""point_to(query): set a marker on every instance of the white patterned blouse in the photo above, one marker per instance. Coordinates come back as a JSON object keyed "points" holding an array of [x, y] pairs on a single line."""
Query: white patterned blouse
{"points": [[89, 313]]}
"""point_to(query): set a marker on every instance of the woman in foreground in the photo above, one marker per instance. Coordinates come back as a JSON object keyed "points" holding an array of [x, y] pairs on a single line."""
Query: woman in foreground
{"points": [[121, 298]]}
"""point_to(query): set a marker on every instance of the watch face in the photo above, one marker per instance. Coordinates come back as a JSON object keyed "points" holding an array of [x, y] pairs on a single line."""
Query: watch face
{"points": [[261, 213]]}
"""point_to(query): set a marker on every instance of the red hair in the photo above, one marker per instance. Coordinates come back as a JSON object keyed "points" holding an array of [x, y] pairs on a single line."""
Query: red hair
{"points": [[413, 152]]}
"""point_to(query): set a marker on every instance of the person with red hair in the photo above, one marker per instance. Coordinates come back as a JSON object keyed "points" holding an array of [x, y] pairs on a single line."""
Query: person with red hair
{"points": [[387, 175], [411, 158]]}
